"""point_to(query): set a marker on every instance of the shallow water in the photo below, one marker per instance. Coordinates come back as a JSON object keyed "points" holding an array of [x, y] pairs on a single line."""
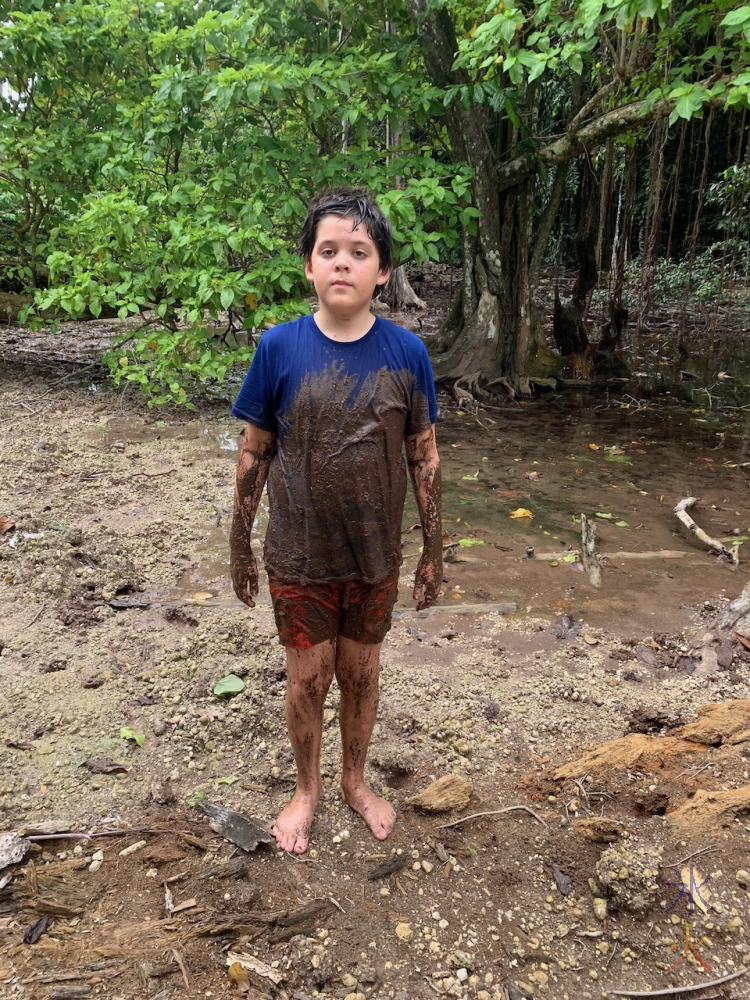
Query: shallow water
{"points": [[555, 460]]}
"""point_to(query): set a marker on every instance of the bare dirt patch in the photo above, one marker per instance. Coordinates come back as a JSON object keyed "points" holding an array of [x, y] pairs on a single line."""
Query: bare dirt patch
{"points": [[124, 509]]}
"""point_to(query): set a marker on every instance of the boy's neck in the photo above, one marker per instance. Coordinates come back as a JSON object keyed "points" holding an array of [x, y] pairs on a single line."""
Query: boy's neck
{"points": [[343, 328]]}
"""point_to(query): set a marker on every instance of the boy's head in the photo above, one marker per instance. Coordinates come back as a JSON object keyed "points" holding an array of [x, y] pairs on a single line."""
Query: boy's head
{"points": [[349, 203]]}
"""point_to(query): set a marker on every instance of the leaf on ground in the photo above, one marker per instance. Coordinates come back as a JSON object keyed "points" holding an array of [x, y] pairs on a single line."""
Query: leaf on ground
{"points": [[105, 765], [227, 781], [515, 494], [475, 476], [239, 978], [594, 447], [554, 563], [621, 524], [618, 456], [231, 684], [520, 512], [203, 595], [126, 733], [696, 888], [605, 517], [6, 523], [569, 557], [466, 542], [590, 640], [36, 930]]}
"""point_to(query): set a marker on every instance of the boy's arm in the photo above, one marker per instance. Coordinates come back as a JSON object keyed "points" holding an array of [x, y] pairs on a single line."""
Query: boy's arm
{"points": [[424, 468], [258, 448]]}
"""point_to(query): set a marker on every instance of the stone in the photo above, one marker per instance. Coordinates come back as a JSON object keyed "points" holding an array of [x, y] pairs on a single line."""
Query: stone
{"points": [[629, 876], [348, 979], [462, 975], [600, 908], [743, 878], [427, 867], [404, 932]]}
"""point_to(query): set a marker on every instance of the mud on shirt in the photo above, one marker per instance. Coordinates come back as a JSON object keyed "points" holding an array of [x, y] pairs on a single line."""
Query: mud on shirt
{"points": [[337, 483]]}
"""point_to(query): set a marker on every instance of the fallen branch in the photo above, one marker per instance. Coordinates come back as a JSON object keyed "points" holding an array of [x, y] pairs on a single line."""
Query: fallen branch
{"points": [[493, 812], [36, 617], [591, 566], [681, 513], [676, 990]]}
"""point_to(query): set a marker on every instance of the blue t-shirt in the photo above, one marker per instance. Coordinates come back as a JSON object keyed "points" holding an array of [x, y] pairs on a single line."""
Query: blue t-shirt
{"points": [[340, 410]]}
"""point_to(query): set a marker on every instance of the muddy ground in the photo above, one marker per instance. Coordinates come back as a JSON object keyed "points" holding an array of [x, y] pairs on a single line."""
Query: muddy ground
{"points": [[117, 506]]}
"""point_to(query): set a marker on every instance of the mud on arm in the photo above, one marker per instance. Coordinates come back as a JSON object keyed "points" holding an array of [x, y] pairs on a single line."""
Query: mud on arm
{"points": [[258, 448], [424, 468]]}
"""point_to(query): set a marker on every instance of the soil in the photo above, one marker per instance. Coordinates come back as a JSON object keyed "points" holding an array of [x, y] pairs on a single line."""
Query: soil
{"points": [[116, 506]]}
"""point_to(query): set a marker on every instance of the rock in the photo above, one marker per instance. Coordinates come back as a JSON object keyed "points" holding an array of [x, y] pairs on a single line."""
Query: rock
{"points": [[348, 979], [310, 960], [599, 829], [12, 849], [743, 878], [162, 793], [448, 792], [630, 876], [600, 908], [460, 960], [404, 932], [427, 867], [159, 727], [462, 975]]}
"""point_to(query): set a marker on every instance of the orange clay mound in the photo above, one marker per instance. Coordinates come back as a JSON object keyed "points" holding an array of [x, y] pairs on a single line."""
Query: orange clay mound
{"points": [[707, 810], [727, 722], [636, 752]]}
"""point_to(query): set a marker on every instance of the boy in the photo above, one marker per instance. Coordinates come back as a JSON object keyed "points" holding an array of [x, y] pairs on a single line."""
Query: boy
{"points": [[329, 401]]}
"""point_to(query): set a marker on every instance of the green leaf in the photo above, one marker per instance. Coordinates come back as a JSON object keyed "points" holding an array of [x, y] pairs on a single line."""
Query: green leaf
{"points": [[739, 16], [570, 557], [621, 524], [475, 476], [227, 781], [229, 685], [604, 517], [194, 798], [467, 542], [126, 733], [227, 298], [622, 459]]}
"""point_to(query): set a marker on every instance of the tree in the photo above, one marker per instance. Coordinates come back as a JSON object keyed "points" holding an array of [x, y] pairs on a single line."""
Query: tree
{"points": [[528, 89], [193, 213]]}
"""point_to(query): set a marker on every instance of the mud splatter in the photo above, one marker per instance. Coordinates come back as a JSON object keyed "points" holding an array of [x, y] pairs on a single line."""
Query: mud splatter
{"points": [[337, 483]]}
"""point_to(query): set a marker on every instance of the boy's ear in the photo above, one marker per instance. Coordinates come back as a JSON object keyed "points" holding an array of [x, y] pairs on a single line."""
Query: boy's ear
{"points": [[383, 276], [308, 269]]}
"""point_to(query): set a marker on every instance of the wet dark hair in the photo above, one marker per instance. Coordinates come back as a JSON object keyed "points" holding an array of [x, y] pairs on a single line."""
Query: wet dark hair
{"points": [[356, 204]]}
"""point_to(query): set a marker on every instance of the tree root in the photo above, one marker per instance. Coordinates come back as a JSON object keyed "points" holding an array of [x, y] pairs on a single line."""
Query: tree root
{"points": [[684, 518]]}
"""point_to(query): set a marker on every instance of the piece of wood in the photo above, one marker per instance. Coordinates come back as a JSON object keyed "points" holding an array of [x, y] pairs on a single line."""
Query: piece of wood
{"points": [[732, 613], [681, 513], [591, 566]]}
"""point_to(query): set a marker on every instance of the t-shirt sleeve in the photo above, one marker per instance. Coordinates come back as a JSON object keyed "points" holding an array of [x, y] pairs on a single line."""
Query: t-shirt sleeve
{"points": [[255, 402], [424, 408]]}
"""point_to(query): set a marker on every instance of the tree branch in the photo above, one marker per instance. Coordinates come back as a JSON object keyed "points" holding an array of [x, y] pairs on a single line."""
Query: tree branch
{"points": [[609, 124]]}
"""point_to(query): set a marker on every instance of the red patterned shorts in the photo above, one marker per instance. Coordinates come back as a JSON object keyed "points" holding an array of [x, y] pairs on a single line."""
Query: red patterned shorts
{"points": [[309, 614]]}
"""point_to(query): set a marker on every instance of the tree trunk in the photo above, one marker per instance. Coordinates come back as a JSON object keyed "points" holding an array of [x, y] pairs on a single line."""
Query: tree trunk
{"points": [[399, 294]]}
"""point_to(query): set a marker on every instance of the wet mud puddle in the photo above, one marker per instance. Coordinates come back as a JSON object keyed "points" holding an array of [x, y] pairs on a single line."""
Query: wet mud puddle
{"points": [[514, 486]]}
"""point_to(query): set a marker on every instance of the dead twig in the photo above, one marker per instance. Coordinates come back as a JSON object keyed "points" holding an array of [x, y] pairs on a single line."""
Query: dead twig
{"points": [[178, 958], [703, 850], [36, 616], [683, 517], [676, 990], [337, 904], [493, 812]]}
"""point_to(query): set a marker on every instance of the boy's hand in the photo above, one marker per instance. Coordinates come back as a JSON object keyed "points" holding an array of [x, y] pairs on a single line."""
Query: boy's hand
{"points": [[427, 580], [245, 580]]}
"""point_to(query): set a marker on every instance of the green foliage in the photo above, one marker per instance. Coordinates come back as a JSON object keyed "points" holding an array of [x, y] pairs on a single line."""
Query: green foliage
{"points": [[175, 152]]}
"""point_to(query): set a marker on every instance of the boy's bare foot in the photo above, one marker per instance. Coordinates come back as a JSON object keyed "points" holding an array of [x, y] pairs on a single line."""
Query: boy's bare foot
{"points": [[379, 815], [292, 828]]}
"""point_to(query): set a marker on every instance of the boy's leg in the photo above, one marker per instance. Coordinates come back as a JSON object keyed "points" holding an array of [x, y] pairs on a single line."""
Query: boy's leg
{"points": [[357, 673], [309, 675]]}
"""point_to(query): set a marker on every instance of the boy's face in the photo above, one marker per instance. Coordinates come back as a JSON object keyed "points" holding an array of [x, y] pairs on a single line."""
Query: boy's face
{"points": [[344, 266]]}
